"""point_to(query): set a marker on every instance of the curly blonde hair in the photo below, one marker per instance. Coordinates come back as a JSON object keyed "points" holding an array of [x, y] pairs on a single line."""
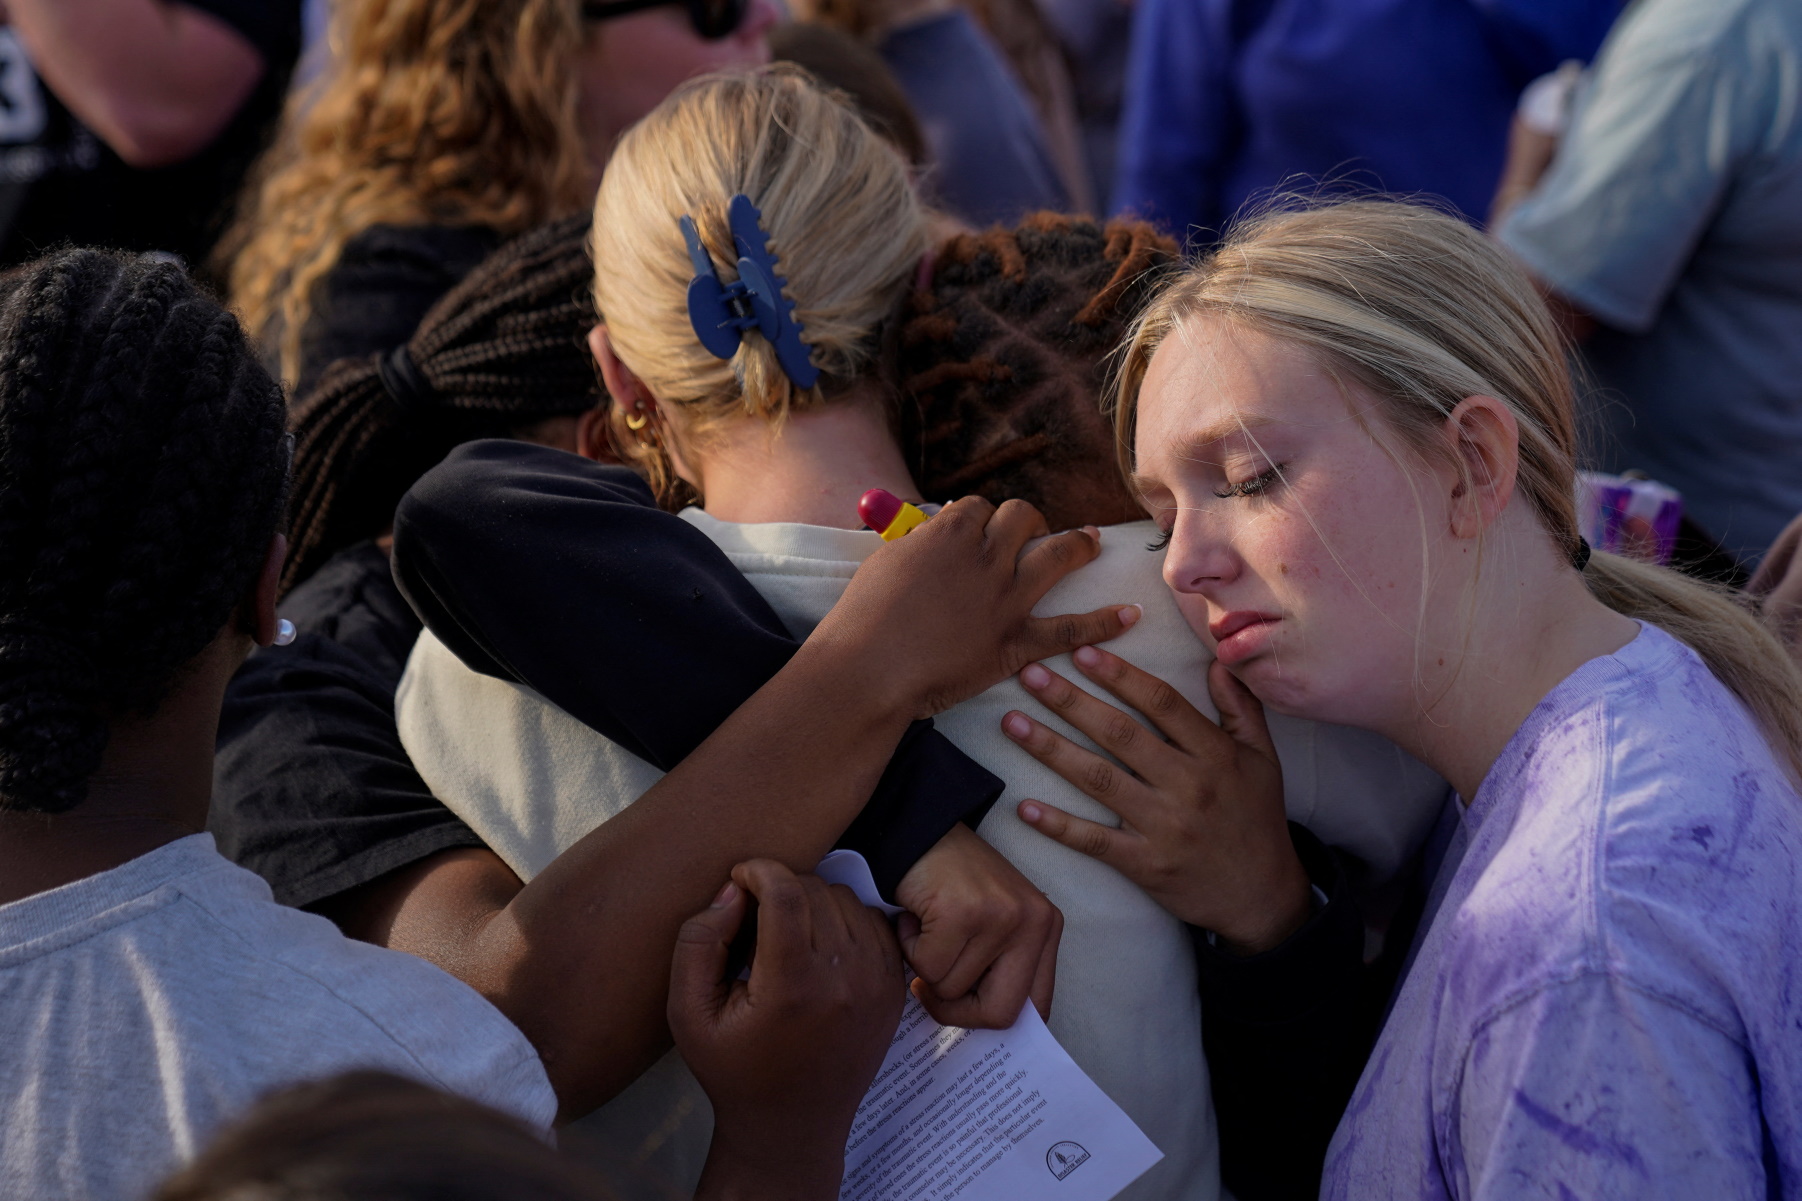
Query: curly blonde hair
{"points": [[456, 112]]}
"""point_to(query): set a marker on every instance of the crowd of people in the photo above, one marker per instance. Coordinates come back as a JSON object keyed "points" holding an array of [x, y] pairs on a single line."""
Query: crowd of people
{"points": [[438, 638]]}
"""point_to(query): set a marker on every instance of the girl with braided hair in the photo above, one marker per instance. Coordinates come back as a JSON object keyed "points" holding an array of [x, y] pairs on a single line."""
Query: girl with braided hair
{"points": [[777, 444], [143, 473]]}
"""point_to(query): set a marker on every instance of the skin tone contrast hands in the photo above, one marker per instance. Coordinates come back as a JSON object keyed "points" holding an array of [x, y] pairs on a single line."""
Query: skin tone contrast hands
{"points": [[593, 932], [786, 1055]]}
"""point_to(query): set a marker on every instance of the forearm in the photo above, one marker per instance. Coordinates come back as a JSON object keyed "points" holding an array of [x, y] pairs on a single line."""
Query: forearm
{"points": [[156, 81], [779, 779]]}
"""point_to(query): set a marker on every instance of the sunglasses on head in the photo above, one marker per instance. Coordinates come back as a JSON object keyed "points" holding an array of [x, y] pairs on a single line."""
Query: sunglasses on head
{"points": [[712, 19]]}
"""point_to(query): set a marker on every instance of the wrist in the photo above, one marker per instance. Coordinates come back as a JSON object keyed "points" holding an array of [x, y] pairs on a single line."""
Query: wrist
{"points": [[859, 673], [765, 1172], [1281, 910]]}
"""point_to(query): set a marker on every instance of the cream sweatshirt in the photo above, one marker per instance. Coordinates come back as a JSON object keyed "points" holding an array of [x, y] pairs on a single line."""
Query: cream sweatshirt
{"points": [[531, 780]]}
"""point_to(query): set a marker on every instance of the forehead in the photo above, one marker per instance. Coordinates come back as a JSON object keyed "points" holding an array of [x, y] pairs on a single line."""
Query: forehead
{"points": [[1214, 385]]}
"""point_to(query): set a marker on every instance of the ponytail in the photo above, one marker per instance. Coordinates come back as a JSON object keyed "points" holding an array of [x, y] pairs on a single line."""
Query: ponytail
{"points": [[505, 348], [1717, 623]]}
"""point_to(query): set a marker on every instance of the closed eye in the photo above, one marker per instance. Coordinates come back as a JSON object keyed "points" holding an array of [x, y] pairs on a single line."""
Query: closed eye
{"points": [[1256, 485], [1161, 541]]}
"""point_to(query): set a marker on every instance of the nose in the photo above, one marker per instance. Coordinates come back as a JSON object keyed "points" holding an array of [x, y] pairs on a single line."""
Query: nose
{"points": [[1199, 559]]}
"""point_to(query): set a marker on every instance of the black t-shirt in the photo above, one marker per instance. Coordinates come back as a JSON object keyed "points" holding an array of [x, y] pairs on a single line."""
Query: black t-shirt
{"points": [[312, 789], [59, 183]]}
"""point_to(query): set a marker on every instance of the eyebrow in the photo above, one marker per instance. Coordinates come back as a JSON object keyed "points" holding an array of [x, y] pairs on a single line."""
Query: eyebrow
{"points": [[1193, 446]]}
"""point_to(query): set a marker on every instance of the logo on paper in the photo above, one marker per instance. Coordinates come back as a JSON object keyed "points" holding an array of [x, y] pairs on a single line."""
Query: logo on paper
{"points": [[1065, 1158]]}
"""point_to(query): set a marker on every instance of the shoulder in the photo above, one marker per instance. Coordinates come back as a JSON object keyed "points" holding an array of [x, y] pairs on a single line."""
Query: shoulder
{"points": [[1652, 838], [331, 998]]}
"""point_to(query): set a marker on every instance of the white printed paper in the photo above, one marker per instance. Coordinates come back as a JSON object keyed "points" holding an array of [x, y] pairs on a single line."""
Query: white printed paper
{"points": [[982, 1115]]}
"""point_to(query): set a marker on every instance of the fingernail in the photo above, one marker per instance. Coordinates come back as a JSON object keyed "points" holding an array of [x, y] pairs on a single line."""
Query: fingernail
{"points": [[1016, 725], [1092, 532], [1034, 676], [1130, 614], [1030, 812], [725, 895]]}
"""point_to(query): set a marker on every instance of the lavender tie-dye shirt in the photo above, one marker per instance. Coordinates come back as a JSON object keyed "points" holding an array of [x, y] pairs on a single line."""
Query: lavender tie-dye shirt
{"points": [[1607, 1001]]}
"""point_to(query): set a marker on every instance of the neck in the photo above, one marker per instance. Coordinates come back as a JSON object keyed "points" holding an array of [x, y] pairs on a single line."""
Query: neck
{"points": [[1528, 637], [812, 470], [153, 787]]}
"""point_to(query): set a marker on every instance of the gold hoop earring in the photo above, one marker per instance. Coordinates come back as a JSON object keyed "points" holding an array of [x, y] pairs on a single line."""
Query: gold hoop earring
{"points": [[637, 421]]}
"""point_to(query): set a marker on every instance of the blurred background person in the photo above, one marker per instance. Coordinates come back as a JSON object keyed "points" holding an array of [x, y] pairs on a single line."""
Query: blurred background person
{"points": [[441, 128], [1095, 36], [1669, 228], [993, 159], [131, 123], [1229, 99]]}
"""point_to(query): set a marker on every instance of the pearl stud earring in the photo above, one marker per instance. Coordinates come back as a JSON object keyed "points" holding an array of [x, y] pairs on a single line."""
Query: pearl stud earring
{"points": [[285, 632]]}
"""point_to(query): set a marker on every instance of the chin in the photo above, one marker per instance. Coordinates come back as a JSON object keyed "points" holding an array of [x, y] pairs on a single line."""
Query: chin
{"points": [[1280, 687]]}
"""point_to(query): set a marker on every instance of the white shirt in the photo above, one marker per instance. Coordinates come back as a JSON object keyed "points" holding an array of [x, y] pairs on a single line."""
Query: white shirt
{"points": [[145, 1006], [531, 780]]}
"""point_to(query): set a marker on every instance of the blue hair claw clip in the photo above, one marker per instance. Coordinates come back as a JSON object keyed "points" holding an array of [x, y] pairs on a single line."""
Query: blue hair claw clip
{"points": [[720, 313]]}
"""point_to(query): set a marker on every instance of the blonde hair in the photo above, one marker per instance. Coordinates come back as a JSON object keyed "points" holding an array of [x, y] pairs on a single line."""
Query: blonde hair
{"points": [[1421, 311], [448, 112], [843, 221]]}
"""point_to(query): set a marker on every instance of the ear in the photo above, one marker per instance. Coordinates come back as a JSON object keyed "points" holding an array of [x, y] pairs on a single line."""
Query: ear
{"points": [[627, 390], [1485, 440], [591, 435], [258, 605]]}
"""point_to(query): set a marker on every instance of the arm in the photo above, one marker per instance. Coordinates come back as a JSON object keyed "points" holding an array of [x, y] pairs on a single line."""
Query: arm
{"points": [[1595, 1087], [1286, 1034], [1600, 243], [156, 81], [592, 933]]}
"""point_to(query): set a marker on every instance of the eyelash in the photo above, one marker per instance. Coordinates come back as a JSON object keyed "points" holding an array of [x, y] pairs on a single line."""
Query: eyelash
{"points": [[1251, 487], [1254, 486]]}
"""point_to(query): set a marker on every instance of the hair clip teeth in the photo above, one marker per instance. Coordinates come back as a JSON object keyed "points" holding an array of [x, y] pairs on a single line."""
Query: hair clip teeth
{"points": [[720, 313]]}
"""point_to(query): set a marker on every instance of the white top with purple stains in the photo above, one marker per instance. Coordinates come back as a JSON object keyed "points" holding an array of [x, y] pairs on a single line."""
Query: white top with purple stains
{"points": [[1607, 1001]]}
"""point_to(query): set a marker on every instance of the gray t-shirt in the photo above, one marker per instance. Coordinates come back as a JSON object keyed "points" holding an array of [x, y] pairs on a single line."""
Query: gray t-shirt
{"points": [[1674, 214], [144, 1006]]}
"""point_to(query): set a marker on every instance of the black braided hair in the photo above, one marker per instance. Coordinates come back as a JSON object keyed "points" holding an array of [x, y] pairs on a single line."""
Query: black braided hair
{"points": [[1004, 362], [504, 349], [143, 469]]}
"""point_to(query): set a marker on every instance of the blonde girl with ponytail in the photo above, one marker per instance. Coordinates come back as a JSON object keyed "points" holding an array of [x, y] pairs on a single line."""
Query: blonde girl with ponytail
{"points": [[1355, 427]]}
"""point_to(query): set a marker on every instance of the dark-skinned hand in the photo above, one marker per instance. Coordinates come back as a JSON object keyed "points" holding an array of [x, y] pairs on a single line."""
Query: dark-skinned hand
{"points": [[980, 936], [787, 1054], [946, 612], [1203, 830]]}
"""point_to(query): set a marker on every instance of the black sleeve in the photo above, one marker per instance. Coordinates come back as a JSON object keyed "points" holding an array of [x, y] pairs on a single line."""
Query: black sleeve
{"points": [[1286, 1035], [312, 789], [543, 568]]}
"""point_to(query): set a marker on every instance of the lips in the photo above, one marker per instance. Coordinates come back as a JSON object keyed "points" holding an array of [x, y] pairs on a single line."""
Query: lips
{"points": [[1241, 634]]}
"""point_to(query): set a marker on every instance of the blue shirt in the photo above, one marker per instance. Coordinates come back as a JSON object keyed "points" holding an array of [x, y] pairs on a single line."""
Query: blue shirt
{"points": [[1673, 214], [1607, 1000], [1227, 99]]}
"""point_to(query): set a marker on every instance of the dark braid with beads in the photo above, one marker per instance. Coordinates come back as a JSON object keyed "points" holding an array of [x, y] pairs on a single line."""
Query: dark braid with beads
{"points": [[143, 470], [1004, 361], [507, 347]]}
